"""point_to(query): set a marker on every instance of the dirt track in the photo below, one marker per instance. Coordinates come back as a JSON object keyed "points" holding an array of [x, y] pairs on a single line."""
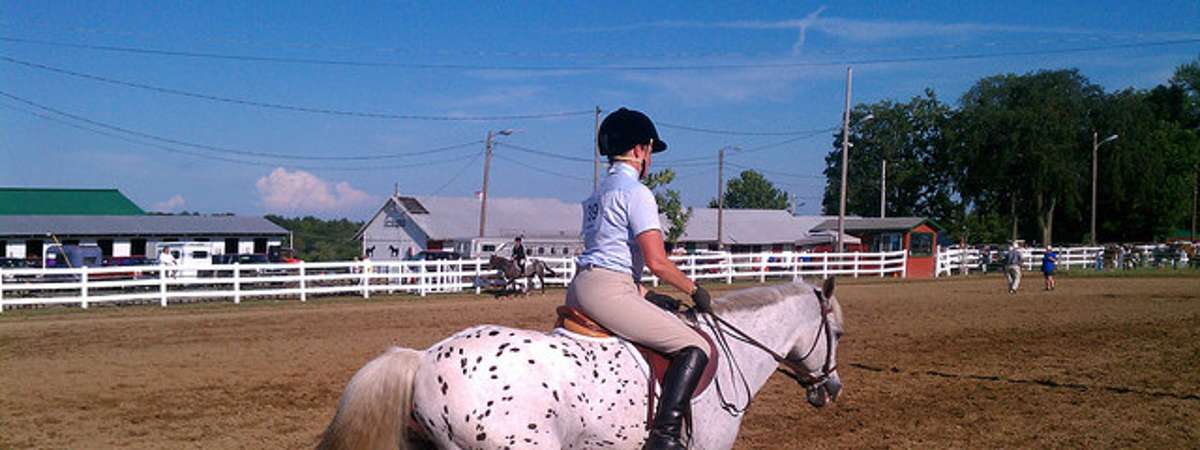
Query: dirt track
{"points": [[1101, 362]]}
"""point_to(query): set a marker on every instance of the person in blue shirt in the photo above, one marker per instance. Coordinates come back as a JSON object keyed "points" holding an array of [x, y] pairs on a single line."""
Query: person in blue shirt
{"points": [[1049, 262], [621, 235]]}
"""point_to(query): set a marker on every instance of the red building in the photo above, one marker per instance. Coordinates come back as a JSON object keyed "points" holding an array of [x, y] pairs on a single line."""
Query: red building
{"points": [[917, 235]]}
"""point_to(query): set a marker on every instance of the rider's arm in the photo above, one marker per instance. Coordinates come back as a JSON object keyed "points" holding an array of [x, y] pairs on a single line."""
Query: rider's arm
{"points": [[651, 243]]}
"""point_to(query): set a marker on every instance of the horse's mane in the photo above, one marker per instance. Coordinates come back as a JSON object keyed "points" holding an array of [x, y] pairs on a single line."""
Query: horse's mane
{"points": [[758, 297]]}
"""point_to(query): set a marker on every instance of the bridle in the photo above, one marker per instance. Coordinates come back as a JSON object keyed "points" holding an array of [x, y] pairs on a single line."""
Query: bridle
{"points": [[792, 368]]}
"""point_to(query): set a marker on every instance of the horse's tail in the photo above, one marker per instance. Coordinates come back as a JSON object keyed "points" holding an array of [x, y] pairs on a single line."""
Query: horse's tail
{"points": [[373, 412]]}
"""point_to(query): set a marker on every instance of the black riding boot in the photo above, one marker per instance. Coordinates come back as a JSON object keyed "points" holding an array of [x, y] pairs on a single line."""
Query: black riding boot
{"points": [[687, 366]]}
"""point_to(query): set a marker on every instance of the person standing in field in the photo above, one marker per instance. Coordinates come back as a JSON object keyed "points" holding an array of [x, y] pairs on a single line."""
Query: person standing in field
{"points": [[1012, 267], [1049, 262]]}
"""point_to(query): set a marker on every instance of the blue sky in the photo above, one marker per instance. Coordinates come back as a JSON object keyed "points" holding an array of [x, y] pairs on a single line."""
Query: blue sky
{"points": [[790, 77]]}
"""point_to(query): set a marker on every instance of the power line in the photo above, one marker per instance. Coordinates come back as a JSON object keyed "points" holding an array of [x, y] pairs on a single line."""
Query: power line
{"points": [[286, 107], [543, 153], [170, 149], [459, 173], [539, 169], [235, 151], [738, 133], [622, 68], [773, 172]]}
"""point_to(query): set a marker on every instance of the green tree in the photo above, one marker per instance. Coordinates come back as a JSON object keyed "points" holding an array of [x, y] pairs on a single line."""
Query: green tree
{"points": [[909, 136], [1024, 142], [669, 203], [751, 190], [321, 240]]}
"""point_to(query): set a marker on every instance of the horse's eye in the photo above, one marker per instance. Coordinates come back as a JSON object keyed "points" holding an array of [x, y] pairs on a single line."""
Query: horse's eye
{"points": [[838, 334]]}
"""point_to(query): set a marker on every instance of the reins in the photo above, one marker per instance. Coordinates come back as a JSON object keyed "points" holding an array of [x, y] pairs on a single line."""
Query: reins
{"points": [[794, 369]]}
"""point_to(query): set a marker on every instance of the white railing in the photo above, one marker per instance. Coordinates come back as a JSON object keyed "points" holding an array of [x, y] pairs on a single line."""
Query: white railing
{"points": [[951, 260], [175, 284]]}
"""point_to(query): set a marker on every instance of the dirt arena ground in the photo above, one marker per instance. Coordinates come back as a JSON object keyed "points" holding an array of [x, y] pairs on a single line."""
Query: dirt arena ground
{"points": [[1099, 363]]}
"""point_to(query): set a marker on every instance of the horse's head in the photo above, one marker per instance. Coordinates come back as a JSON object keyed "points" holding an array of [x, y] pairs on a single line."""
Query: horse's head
{"points": [[815, 349]]}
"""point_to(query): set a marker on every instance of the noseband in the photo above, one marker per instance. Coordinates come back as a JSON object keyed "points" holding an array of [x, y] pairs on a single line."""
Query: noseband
{"points": [[793, 368]]}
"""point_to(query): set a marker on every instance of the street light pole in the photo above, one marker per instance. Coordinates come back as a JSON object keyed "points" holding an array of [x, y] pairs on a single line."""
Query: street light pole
{"points": [[883, 190], [1096, 143], [845, 146], [720, 199], [487, 165], [596, 154]]}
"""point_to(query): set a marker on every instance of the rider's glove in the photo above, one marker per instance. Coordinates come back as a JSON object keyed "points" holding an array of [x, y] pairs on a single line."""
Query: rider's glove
{"points": [[663, 301], [702, 300]]}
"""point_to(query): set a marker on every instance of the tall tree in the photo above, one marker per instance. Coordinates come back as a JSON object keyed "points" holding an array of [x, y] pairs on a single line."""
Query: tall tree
{"points": [[751, 190], [909, 136], [1025, 143], [321, 240], [669, 203]]}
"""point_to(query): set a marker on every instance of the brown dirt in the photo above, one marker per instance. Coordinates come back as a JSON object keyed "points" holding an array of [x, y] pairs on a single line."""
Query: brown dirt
{"points": [[1101, 362]]}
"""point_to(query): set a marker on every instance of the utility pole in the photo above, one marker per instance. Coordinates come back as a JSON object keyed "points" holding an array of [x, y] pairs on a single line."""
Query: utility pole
{"points": [[596, 156], [883, 191], [1195, 193], [487, 165], [720, 199], [1095, 149], [845, 148]]}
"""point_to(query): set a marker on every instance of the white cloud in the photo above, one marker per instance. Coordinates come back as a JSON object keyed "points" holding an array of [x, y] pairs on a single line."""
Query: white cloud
{"points": [[175, 203], [303, 192]]}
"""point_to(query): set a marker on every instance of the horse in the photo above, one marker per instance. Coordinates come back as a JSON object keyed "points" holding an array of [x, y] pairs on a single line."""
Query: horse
{"points": [[494, 387], [511, 272]]}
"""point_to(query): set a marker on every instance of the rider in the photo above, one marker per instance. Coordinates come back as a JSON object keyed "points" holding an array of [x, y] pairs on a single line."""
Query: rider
{"points": [[518, 254], [621, 234]]}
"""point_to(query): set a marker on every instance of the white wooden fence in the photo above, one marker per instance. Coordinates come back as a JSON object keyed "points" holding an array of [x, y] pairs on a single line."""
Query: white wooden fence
{"points": [[174, 284], [960, 261]]}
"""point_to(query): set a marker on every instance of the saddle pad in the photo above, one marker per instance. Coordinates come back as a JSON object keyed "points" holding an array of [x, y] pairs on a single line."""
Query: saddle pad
{"points": [[576, 321]]}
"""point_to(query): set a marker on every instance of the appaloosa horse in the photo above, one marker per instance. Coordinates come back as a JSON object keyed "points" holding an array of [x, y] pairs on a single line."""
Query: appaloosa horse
{"points": [[494, 387], [511, 272]]}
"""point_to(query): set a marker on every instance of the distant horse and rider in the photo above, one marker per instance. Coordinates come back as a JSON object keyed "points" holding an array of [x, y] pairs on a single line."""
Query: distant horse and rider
{"points": [[511, 272]]}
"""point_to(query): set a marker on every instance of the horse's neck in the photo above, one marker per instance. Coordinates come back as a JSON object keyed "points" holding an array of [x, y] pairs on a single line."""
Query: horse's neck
{"points": [[776, 326]]}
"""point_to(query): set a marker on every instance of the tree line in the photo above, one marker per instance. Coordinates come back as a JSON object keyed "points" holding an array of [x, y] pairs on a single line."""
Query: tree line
{"points": [[1013, 159]]}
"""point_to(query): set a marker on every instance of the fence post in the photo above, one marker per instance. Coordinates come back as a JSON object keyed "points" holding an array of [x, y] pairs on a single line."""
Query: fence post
{"points": [[1, 290], [478, 276], [881, 265], [762, 269], [421, 280], [366, 278], [856, 266], [162, 285], [825, 266], [729, 268], [303, 284], [237, 283], [904, 263], [83, 291]]}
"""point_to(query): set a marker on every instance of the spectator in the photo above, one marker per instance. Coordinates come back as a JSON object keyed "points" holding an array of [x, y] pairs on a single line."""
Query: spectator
{"points": [[167, 259], [1012, 267], [1049, 262]]}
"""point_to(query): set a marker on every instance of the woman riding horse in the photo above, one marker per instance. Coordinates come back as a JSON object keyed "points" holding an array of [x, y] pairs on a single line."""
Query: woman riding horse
{"points": [[621, 235]]}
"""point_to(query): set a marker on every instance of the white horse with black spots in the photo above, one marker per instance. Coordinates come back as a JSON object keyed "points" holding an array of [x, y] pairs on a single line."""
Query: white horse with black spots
{"points": [[493, 387]]}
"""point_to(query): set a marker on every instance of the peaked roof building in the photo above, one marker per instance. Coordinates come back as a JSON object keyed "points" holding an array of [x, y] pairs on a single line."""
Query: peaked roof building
{"points": [[66, 202]]}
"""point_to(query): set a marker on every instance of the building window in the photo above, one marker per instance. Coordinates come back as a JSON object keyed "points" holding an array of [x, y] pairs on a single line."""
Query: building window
{"points": [[33, 249], [887, 242], [566, 251], [489, 247], [3, 249], [106, 247], [137, 247], [920, 244], [260, 245], [541, 251], [231, 246]]}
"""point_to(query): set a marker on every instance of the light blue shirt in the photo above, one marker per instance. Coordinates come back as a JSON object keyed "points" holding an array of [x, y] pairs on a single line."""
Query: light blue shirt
{"points": [[613, 217]]}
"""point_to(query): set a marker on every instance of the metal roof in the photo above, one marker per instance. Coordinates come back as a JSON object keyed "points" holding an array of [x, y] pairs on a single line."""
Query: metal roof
{"points": [[39, 225], [455, 218], [447, 218], [39, 201], [748, 226], [876, 223]]}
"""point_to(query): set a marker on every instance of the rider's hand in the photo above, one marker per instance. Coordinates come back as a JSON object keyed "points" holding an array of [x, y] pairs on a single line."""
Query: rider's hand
{"points": [[662, 300], [702, 300]]}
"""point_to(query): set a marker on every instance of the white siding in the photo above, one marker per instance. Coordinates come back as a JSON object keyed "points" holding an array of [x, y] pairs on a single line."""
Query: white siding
{"points": [[389, 229], [121, 248], [15, 249]]}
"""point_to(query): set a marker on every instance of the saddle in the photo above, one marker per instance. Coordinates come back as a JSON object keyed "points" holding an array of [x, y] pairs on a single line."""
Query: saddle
{"points": [[574, 320]]}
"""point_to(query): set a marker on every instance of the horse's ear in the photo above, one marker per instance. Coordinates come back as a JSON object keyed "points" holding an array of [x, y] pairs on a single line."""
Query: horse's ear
{"points": [[827, 290]]}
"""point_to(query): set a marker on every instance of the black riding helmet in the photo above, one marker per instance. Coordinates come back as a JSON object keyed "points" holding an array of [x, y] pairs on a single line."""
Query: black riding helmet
{"points": [[625, 128]]}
